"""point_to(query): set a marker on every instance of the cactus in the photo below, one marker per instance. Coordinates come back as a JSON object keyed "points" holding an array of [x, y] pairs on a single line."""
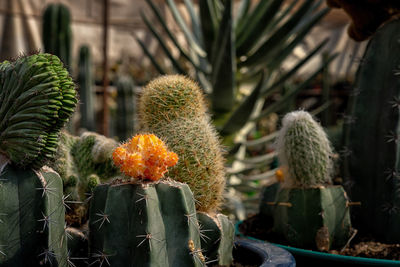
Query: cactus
{"points": [[57, 32], [144, 225], [304, 150], [125, 107], [308, 211], [86, 93], [217, 238], [371, 161], [37, 96], [173, 108]]}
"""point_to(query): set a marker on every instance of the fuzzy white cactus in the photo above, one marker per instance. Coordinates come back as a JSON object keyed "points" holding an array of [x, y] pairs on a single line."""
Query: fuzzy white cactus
{"points": [[304, 151]]}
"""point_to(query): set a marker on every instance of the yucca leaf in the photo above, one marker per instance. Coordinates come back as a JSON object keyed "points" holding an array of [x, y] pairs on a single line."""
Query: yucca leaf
{"points": [[224, 67], [284, 77], [241, 14], [262, 15], [277, 38], [150, 56], [209, 25], [192, 41], [242, 114], [164, 47], [194, 19], [291, 93]]}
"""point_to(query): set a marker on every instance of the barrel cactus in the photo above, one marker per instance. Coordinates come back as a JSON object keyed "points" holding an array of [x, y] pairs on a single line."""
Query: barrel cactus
{"points": [[37, 97], [173, 107], [308, 211]]}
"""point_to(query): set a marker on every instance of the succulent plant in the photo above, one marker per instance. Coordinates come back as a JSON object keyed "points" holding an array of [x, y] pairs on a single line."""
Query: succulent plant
{"points": [[125, 113], [371, 152], [304, 151], [173, 108], [37, 96], [57, 34]]}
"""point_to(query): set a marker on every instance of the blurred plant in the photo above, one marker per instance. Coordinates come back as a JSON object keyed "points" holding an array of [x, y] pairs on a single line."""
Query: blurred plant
{"points": [[125, 109]]}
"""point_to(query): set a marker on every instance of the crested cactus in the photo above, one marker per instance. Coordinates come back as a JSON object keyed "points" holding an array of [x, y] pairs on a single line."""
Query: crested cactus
{"points": [[57, 32], [85, 81], [308, 211], [125, 107], [304, 150], [173, 108], [37, 97], [371, 158]]}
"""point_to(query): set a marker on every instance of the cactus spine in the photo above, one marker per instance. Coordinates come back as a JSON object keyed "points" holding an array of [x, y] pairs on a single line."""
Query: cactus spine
{"points": [[37, 97], [125, 120], [57, 32], [173, 108], [85, 81], [308, 211], [372, 163]]}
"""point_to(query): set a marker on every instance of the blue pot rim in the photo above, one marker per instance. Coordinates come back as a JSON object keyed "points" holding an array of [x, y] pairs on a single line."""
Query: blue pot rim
{"points": [[324, 255]]}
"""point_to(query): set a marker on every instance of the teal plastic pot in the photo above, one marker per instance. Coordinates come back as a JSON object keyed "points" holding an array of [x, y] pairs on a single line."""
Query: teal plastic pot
{"points": [[305, 258]]}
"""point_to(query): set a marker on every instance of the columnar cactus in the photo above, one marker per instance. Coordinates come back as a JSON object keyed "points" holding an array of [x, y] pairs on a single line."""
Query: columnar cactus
{"points": [[308, 211], [125, 113], [304, 150], [37, 97], [173, 107], [57, 34], [371, 152], [86, 93]]}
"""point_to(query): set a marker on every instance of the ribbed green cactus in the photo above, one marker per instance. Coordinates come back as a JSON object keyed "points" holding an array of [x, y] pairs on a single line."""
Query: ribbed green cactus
{"points": [[86, 93], [304, 151], [173, 108], [125, 119], [371, 153], [57, 32], [151, 224], [308, 211], [37, 97], [217, 238]]}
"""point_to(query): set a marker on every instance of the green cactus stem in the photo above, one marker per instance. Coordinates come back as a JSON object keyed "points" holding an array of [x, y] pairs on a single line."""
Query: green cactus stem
{"points": [[86, 93], [150, 224], [37, 96], [173, 108], [125, 120], [57, 34], [371, 153], [304, 151], [32, 217]]}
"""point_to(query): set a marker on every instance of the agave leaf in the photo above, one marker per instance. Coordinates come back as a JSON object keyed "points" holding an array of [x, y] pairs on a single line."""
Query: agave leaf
{"points": [[164, 47], [242, 114], [275, 86], [194, 19], [224, 67], [193, 42], [263, 53], [150, 56], [241, 14], [209, 25], [258, 21], [291, 93]]}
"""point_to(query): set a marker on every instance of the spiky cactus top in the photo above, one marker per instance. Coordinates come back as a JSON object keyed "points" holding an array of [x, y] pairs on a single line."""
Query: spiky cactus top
{"points": [[173, 108], [37, 96], [304, 151]]}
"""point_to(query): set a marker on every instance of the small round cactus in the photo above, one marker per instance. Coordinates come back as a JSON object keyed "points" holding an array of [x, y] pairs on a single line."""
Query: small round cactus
{"points": [[173, 108], [304, 151]]}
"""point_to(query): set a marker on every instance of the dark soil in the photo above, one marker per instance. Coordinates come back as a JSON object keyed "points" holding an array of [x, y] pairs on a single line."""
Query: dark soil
{"points": [[260, 228]]}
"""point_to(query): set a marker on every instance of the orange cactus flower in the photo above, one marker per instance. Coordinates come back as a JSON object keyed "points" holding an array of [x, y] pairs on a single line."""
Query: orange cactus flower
{"points": [[145, 156]]}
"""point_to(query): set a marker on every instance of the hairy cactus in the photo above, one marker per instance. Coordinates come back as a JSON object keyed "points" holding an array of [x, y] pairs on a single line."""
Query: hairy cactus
{"points": [[304, 151], [125, 107], [372, 159], [37, 97], [308, 211], [57, 34], [173, 108], [86, 93]]}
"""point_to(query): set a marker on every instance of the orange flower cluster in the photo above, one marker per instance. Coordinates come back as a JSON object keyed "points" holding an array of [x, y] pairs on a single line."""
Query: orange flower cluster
{"points": [[145, 157]]}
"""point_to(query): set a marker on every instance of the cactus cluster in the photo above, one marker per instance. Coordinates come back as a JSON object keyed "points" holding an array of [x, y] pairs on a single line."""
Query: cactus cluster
{"points": [[304, 151], [57, 34], [173, 108]]}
